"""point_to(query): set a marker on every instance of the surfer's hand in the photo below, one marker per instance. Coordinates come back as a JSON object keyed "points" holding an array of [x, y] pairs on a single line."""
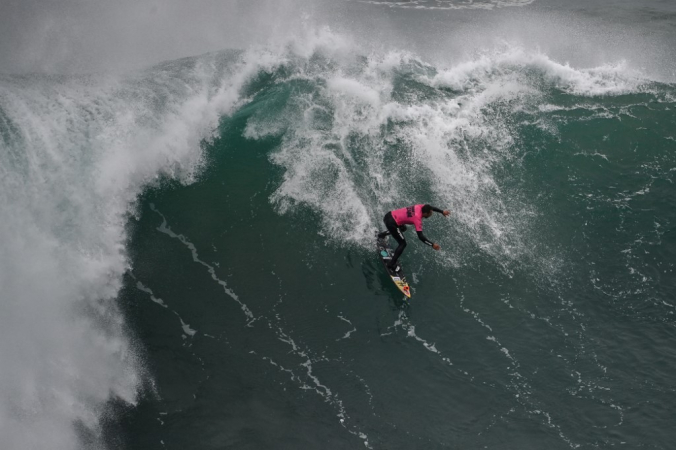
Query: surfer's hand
{"points": [[446, 212], [436, 247]]}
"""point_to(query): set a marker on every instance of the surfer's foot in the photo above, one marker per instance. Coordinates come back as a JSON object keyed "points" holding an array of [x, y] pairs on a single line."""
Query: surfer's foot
{"points": [[383, 234]]}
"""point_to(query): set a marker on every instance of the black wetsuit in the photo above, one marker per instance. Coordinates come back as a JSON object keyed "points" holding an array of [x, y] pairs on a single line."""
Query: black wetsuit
{"points": [[397, 233]]}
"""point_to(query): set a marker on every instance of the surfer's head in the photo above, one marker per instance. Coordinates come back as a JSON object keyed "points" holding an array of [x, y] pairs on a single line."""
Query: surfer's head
{"points": [[426, 211]]}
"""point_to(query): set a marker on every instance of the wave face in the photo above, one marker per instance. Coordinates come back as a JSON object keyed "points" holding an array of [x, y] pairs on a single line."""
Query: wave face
{"points": [[202, 231]]}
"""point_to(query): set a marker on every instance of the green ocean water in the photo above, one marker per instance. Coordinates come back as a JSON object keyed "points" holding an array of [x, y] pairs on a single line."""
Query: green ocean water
{"points": [[547, 320], [187, 252]]}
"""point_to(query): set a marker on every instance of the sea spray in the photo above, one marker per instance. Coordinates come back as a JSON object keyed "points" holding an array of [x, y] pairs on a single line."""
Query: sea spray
{"points": [[355, 143]]}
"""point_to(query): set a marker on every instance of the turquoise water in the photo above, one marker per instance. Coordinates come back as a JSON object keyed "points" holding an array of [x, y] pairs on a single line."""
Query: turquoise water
{"points": [[188, 256]]}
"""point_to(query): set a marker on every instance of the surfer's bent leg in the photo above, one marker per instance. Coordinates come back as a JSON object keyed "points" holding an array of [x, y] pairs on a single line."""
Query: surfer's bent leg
{"points": [[399, 237], [397, 233], [388, 220], [391, 225]]}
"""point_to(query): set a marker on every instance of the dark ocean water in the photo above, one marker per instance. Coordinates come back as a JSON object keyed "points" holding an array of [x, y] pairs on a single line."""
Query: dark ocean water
{"points": [[188, 256]]}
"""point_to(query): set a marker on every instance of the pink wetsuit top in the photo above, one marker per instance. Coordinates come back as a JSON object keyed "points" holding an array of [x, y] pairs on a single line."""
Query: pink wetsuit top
{"points": [[411, 215]]}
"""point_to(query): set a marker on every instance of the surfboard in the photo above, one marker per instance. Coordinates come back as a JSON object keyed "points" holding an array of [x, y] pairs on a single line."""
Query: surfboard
{"points": [[385, 253]]}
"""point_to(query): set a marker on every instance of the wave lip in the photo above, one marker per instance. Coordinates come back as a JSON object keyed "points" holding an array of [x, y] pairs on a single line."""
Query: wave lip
{"points": [[606, 79], [450, 4]]}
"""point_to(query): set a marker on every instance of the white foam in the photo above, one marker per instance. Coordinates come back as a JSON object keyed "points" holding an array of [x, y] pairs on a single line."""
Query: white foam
{"points": [[347, 334], [354, 89], [339, 161], [450, 5], [75, 154], [513, 60], [186, 327], [355, 149]]}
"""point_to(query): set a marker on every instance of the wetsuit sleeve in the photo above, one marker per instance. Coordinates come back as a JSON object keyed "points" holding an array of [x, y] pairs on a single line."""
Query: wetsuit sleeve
{"points": [[422, 237], [435, 209]]}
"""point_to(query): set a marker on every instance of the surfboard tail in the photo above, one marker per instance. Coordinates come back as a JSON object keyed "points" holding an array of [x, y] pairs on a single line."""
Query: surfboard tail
{"points": [[402, 285]]}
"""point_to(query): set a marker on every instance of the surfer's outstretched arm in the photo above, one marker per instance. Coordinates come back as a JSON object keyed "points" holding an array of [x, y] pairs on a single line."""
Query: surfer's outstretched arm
{"points": [[445, 212], [422, 237]]}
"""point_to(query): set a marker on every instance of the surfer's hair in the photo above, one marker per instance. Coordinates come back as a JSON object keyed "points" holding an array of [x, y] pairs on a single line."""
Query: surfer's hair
{"points": [[426, 209]]}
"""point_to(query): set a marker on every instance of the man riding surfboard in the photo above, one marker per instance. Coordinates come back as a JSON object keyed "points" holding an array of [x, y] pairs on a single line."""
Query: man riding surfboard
{"points": [[396, 222]]}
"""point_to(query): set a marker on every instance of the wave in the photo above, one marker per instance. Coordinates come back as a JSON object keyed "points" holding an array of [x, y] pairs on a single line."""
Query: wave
{"points": [[358, 134]]}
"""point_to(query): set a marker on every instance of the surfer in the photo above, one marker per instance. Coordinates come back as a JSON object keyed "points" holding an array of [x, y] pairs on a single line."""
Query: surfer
{"points": [[396, 222]]}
